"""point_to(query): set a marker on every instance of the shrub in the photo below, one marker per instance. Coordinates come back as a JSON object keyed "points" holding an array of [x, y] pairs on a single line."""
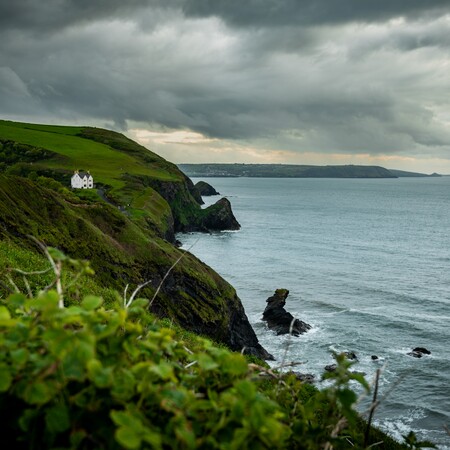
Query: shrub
{"points": [[85, 376]]}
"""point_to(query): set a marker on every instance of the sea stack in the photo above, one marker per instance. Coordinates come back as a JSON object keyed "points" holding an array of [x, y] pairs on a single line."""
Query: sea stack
{"points": [[278, 319], [205, 189]]}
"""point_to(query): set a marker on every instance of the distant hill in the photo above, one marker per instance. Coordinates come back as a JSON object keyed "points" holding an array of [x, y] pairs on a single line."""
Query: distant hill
{"points": [[284, 171], [403, 173]]}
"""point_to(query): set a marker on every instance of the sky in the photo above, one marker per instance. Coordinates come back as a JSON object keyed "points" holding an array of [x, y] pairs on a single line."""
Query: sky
{"points": [[262, 81]]}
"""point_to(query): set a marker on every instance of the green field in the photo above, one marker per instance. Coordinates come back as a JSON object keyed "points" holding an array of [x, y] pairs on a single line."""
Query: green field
{"points": [[106, 164]]}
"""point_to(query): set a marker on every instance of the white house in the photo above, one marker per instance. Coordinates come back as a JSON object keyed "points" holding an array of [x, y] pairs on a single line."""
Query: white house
{"points": [[82, 180]]}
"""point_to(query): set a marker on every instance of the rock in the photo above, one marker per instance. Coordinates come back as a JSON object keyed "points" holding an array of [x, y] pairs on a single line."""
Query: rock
{"points": [[304, 377], [351, 356], [221, 318], [418, 352], [374, 357], [331, 367], [278, 319], [415, 354], [422, 350], [219, 217], [205, 189]]}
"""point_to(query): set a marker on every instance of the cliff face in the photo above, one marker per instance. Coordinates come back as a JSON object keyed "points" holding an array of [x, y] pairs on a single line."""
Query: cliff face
{"points": [[128, 241]]}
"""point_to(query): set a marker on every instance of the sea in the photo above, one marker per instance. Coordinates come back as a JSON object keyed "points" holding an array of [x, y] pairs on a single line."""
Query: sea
{"points": [[367, 264]]}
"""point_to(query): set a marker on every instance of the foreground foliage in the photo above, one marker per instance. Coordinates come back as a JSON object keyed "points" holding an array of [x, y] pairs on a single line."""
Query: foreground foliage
{"points": [[90, 376], [87, 377]]}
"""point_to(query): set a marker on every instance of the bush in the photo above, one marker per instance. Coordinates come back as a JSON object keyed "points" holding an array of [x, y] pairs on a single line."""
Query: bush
{"points": [[87, 377]]}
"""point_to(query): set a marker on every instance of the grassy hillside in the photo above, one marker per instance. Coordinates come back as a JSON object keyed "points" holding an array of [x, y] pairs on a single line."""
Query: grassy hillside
{"points": [[119, 166], [124, 228], [76, 149]]}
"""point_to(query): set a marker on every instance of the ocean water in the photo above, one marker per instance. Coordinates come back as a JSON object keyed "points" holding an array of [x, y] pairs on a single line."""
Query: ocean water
{"points": [[367, 264]]}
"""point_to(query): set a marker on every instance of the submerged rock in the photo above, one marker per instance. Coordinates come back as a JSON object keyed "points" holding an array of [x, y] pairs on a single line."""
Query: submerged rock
{"points": [[331, 367], [374, 357], [205, 189], [278, 319], [418, 352], [304, 377], [422, 350], [351, 356]]}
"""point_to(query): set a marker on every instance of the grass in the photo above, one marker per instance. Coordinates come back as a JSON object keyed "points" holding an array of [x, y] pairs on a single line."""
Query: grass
{"points": [[117, 164], [14, 256], [105, 163]]}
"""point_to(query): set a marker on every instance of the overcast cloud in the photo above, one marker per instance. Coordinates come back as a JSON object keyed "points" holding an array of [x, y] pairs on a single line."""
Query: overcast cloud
{"points": [[260, 80]]}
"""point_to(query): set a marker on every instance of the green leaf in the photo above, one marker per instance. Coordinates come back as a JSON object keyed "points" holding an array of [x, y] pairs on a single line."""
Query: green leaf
{"points": [[128, 438], [4, 313], [206, 362], [124, 384], [101, 376], [347, 398], [56, 254], [5, 378], [154, 439], [125, 419], [76, 437], [91, 302], [57, 419], [163, 370], [37, 393], [27, 418], [234, 364], [17, 300], [75, 361], [19, 357], [45, 302], [140, 303]]}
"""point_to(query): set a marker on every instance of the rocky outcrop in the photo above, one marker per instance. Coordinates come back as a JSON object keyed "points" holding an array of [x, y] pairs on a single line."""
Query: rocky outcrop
{"points": [[205, 189], [418, 352], [351, 356], [278, 319], [308, 378], [219, 217]]}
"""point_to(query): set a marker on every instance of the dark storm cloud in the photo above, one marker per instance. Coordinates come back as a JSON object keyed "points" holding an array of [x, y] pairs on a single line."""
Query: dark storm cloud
{"points": [[49, 15], [55, 14], [249, 70], [270, 13]]}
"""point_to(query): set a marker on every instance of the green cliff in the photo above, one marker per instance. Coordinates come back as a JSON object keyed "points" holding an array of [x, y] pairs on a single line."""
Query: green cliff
{"points": [[125, 228]]}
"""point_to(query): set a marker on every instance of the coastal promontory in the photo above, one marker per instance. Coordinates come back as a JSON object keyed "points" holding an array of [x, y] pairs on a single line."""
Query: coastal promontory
{"points": [[125, 226]]}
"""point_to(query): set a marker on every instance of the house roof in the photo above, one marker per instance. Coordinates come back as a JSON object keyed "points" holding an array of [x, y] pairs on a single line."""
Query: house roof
{"points": [[83, 174]]}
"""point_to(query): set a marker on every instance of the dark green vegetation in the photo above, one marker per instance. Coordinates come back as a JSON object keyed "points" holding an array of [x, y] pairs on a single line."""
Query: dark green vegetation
{"points": [[129, 245], [103, 371], [91, 377], [285, 171], [149, 188]]}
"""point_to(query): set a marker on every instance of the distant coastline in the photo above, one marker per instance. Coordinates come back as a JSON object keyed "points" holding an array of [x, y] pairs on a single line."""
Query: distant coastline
{"points": [[295, 171]]}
